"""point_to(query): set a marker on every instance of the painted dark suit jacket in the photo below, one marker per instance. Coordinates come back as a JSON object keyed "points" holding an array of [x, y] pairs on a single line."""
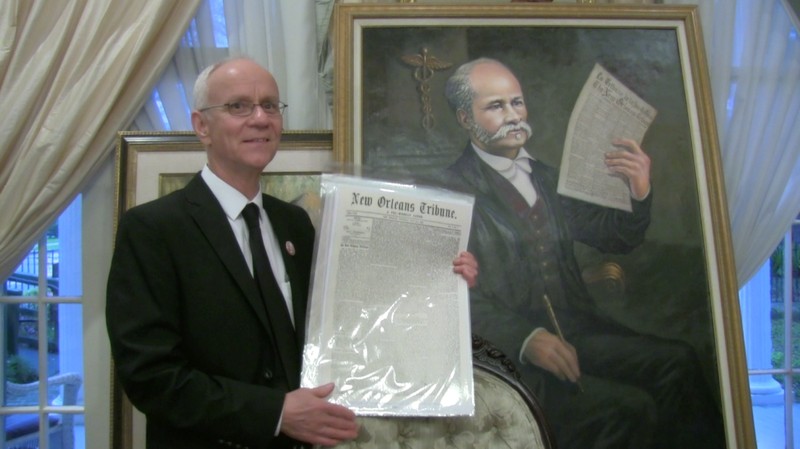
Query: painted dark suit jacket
{"points": [[507, 303], [190, 335]]}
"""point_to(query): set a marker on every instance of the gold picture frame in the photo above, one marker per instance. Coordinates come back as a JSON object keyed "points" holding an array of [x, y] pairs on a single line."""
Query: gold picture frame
{"points": [[152, 164], [392, 61]]}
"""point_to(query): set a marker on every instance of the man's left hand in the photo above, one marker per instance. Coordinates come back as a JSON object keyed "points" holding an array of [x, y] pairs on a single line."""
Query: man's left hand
{"points": [[466, 265]]}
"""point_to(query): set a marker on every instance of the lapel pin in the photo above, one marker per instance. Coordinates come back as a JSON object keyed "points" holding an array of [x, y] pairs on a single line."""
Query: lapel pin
{"points": [[290, 248]]}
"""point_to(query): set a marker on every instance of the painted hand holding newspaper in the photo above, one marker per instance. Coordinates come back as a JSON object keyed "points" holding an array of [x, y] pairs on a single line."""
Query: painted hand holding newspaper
{"points": [[606, 110]]}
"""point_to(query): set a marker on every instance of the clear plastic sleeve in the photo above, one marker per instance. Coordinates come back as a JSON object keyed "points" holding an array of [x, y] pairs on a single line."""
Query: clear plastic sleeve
{"points": [[388, 319]]}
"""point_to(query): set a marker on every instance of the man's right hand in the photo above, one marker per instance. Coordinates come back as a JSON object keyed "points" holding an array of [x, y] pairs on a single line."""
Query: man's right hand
{"points": [[309, 417], [549, 352]]}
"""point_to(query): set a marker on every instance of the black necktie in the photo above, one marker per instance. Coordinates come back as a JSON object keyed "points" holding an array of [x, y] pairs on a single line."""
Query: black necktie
{"points": [[271, 293]]}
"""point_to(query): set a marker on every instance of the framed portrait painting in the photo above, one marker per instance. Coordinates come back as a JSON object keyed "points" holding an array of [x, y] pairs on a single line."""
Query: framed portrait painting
{"points": [[393, 120]]}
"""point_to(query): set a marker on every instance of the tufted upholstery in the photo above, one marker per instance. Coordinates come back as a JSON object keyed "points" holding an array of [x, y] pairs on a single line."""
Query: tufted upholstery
{"points": [[506, 415]]}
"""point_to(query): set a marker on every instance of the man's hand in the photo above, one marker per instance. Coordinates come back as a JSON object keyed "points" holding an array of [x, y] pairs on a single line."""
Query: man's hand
{"points": [[466, 265], [549, 352], [632, 163], [309, 417]]}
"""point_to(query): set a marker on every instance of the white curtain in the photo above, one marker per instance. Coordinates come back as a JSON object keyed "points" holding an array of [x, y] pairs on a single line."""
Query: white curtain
{"points": [[286, 36], [72, 73], [753, 53]]}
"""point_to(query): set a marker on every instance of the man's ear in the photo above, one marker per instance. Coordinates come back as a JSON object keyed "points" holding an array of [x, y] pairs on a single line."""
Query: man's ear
{"points": [[200, 125], [463, 118]]}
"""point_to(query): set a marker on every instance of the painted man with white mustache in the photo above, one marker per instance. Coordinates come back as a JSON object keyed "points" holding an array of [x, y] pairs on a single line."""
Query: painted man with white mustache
{"points": [[603, 385]]}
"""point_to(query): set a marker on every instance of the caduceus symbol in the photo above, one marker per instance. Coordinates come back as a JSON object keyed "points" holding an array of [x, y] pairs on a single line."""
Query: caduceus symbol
{"points": [[426, 65]]}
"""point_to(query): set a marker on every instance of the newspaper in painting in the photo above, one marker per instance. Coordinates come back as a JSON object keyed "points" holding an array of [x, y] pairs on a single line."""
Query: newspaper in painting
{"points": [[606, 110]]}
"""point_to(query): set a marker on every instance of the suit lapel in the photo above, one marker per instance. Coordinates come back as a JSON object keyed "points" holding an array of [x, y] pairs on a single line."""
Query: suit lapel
{"points": [[488, 183], [497, 195], [212, 221]]}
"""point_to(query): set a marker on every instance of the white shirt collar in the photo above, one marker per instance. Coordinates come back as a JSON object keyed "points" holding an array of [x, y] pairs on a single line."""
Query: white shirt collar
{"points": [[231, 200], [504, 165]]}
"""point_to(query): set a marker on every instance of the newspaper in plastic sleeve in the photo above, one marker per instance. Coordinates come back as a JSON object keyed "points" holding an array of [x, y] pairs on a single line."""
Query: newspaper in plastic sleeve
{"points": [[388, 320]]}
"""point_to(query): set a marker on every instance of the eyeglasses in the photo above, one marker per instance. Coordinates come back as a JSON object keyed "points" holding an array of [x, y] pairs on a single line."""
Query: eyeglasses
{"points": [[245, 108]]}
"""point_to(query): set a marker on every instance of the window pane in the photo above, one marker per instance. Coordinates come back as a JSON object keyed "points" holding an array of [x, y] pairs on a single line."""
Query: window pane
{"points": [[768, 413], [795, 333], [21, 431], [64, 263], [66, 362], [25, 279], [64, 356], [64, 432], [796, 410], [21, 354], [778, 317], [794, 288]]}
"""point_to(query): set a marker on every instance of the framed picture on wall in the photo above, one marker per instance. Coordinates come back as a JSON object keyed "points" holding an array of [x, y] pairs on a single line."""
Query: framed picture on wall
{"points": [[153, 164], [393, 120]]}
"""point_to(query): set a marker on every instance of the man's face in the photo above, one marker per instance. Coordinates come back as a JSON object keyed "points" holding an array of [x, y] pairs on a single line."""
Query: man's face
{"points": [[497, 124], [239, 146]]}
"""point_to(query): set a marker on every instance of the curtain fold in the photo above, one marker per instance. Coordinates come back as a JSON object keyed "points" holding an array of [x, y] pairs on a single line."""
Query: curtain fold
{"points": [[72, 73], [754, 63], [761, 145]]}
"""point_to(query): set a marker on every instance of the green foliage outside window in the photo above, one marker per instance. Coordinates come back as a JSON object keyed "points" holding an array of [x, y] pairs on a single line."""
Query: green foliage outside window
{"points": [[20, 371], [778, 353], [777, 271]]}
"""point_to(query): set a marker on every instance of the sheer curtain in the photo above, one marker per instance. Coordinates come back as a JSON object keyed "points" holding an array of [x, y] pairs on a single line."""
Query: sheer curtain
{"points": [[168, 106], [72, 72], [286, 36], [754, 62]]}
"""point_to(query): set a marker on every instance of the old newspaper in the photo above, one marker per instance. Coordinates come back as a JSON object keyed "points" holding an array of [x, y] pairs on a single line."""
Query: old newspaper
{"points": [[606, 110], [388, 318]]}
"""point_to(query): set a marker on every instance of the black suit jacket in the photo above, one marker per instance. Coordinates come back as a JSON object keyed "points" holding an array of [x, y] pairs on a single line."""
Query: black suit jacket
{"points": [[190, 335], [507, 304]]}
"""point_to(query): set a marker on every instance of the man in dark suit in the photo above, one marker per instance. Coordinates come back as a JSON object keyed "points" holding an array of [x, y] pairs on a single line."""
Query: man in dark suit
{"points": [[208, 352], [194, 343], [602, 385]]}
